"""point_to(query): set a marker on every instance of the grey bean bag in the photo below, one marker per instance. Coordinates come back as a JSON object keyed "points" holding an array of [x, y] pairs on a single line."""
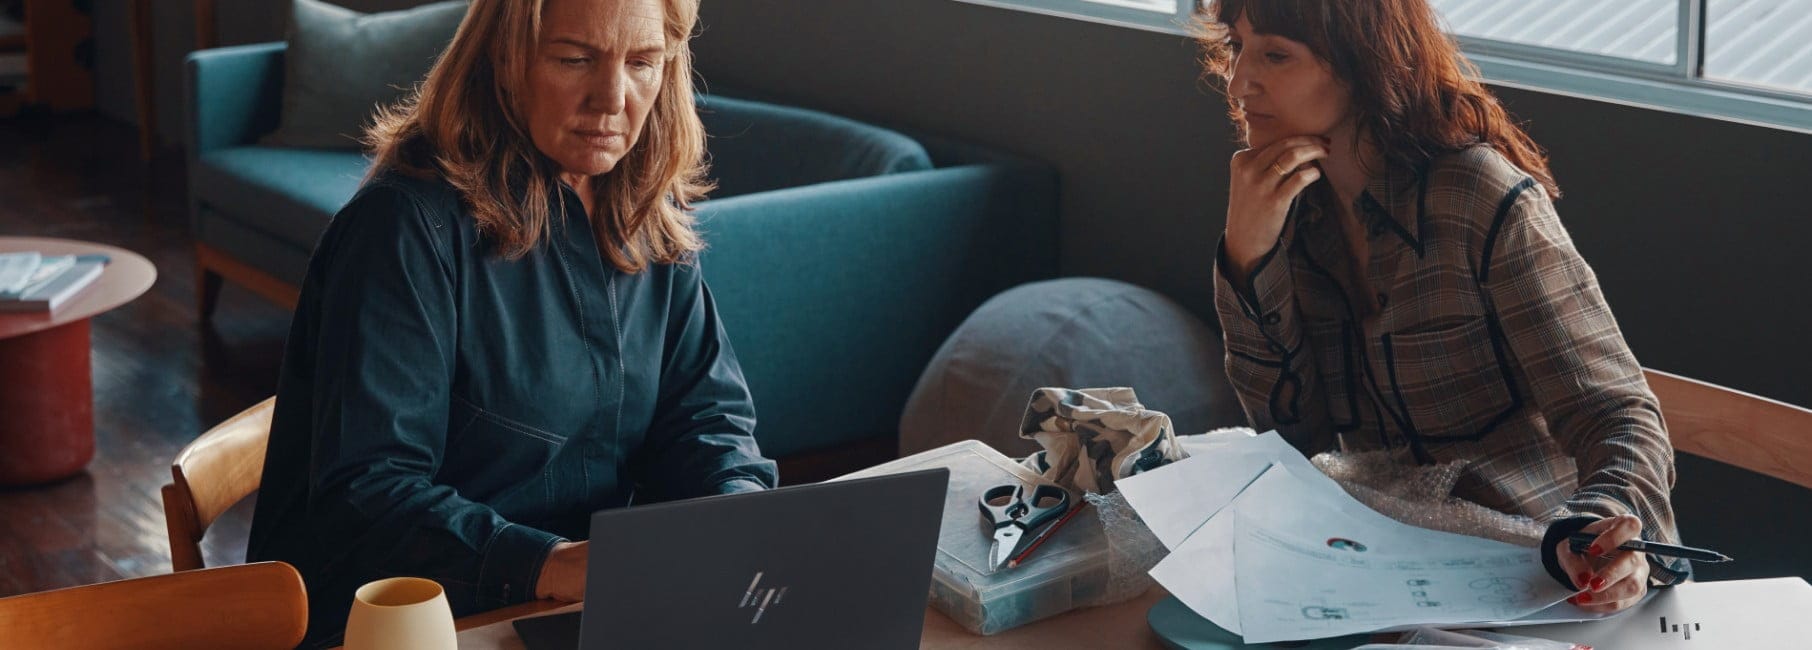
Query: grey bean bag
{"points": [[1071, 333]]}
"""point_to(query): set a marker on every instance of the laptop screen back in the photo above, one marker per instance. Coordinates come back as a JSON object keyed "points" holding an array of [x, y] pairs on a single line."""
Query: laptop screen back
{"points": [[1750, 614], [842, 564]]}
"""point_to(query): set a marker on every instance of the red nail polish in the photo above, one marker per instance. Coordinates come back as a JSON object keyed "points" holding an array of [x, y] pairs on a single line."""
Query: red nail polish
{"points": [[1585, 598], [1595, 550], [1582, 579], [1597, 584]]}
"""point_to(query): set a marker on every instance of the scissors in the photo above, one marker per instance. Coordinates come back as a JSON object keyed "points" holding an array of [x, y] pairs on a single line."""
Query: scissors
{"points": [[1012, 515]]}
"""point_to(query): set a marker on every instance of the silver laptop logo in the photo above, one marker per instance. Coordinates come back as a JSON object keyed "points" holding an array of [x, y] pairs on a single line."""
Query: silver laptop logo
{"points": [[761, 598]]}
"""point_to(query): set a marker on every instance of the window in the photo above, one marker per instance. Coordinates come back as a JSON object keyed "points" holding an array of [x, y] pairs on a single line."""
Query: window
{"points": [[1764, 43], [1635, 30], [1748, 60], [1170, 16], [1741, 60]]}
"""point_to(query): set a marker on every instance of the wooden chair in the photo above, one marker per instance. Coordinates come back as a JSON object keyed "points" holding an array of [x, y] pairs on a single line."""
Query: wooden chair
{"points": [[211, 474], [1736, 428], [247, 607]]}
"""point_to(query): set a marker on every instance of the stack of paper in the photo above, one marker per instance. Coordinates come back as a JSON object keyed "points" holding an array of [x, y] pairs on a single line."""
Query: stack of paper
{"points": [[1268, 547]]}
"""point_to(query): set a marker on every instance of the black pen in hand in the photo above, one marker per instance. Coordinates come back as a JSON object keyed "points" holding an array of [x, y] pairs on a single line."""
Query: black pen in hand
{"points": [[1579, 542]]}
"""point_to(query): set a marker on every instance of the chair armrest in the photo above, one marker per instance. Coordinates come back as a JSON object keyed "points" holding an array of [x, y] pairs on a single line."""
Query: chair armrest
{"points": [[234, 94], [837, 295]]}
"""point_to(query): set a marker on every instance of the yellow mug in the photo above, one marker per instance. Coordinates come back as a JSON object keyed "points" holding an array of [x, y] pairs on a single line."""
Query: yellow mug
{"points": [[400, 614]]}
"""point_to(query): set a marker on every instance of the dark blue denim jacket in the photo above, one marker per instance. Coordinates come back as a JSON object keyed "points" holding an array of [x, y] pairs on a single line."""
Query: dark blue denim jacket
{"points": [[446, 413]]}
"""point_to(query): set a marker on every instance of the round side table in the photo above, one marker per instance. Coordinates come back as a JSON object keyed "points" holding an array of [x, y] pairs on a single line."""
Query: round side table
{"points": [[46, 380]]}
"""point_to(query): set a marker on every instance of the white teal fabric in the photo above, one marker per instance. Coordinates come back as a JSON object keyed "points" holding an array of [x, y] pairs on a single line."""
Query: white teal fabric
{"points": [[1094, 436]]}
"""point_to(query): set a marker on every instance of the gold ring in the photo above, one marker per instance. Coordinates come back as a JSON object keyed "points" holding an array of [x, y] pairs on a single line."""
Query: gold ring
{"points": [[1278, 167]]}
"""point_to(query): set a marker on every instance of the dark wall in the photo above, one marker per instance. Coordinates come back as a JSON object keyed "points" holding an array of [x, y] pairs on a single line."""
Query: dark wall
{"points": [[1695, 226], [1140, 140]]}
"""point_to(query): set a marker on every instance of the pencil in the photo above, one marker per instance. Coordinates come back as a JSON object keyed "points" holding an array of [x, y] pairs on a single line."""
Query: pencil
{"points": [[1014, 563]]}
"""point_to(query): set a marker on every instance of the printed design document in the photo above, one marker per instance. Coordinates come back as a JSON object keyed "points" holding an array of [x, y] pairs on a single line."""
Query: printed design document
{"points": [[1268, 547]]}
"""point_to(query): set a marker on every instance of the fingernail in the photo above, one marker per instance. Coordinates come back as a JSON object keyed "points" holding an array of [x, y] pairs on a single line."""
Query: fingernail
{"points": [[1582, 578], [1595, 550], [1597, 584], [1585, 598]]}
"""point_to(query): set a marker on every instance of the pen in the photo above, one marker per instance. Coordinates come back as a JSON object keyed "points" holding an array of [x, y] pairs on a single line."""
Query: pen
{"points": [[1580, 541], [1014, 563]]}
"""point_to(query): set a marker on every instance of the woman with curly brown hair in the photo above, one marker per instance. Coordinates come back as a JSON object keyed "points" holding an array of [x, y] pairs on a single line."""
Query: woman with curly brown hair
{"points": [[1394, 277], [506, 329]]}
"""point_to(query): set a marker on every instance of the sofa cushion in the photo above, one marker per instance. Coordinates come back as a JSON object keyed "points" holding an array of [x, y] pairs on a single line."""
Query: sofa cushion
{"points": [[1071, 333], [756, 147], [342, 65], [289, 193]]}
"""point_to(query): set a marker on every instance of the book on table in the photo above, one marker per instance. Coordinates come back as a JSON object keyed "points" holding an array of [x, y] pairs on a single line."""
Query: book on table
{"points": [[34, 282]]}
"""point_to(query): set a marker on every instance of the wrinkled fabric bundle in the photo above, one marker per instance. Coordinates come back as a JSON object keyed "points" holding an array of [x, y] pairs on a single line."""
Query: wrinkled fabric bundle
{"points": [[1092, 436]]}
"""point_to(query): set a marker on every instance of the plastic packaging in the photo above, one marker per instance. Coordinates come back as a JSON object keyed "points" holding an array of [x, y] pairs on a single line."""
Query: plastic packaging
{"points": [[1422, 496], [1069, 570], [1418, 495], [1132, 550]]}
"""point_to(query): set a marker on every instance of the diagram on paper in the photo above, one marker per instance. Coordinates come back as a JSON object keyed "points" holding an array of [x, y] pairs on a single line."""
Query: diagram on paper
{"points": [[1330, 591]]}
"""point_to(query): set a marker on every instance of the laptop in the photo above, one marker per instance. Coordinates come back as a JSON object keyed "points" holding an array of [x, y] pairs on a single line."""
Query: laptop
{"points": [[1749, 614], [842, 564]]}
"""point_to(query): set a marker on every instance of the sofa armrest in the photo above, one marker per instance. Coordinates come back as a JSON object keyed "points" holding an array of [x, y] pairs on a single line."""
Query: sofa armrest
{"points": [[758, 147], [836, 295], [235, 94]]}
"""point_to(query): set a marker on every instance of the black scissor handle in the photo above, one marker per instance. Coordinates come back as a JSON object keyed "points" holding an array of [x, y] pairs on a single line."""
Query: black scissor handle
{"points": [[1001, 504], [1007, 504], [1047, 502]]}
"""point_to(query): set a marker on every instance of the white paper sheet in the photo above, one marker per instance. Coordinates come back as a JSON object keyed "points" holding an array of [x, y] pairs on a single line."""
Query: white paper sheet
{"points": [[1176, 499], [1290, 587], [1201, 570], [1203, 507]]}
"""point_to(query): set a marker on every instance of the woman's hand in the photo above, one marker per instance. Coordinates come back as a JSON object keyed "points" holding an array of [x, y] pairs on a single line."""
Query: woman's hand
{"points": [[1264, 181], [1612, 579], [563, 573]]}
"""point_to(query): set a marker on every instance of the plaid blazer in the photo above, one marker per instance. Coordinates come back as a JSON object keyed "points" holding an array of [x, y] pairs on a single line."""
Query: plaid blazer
{"points": [[1475, 332]]}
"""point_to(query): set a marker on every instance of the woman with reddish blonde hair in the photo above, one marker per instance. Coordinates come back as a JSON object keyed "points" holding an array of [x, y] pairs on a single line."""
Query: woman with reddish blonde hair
{"points": [[506, 329], [1393, 276]]}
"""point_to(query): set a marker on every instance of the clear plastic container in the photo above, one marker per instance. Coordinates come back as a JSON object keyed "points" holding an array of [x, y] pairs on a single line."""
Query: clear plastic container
{"points": [[1069, 570]]}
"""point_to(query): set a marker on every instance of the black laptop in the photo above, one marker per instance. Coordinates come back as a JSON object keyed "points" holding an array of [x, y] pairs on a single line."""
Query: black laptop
{"points": [[845, 564]]}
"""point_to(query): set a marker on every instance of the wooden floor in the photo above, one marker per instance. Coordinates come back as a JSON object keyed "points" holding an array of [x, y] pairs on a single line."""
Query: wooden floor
{"points": [[159, 377]]}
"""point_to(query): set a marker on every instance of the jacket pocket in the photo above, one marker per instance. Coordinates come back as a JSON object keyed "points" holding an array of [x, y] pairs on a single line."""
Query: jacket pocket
{"points": [[1452, 382], [1335, 365], [490, 457]]}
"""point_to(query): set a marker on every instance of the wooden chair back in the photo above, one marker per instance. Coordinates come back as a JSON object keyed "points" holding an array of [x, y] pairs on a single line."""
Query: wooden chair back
{"points": [[246, 606], [1733, 427], [210, 475]]}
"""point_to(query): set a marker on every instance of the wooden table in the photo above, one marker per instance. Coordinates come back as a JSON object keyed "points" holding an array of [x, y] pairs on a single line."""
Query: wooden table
{"points": [[46, 381], [1121, 627]]}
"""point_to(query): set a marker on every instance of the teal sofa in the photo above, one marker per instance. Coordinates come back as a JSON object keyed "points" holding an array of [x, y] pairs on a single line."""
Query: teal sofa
{"points": [[841, 254]]}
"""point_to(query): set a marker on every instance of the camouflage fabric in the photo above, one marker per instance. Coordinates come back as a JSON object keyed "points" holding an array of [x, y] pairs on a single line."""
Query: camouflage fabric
{"points": [[1092, 436]]}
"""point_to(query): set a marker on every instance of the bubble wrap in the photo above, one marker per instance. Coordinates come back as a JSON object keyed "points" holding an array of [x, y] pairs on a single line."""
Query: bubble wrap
{"points": [[1131, 549], [1422, 495]]}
